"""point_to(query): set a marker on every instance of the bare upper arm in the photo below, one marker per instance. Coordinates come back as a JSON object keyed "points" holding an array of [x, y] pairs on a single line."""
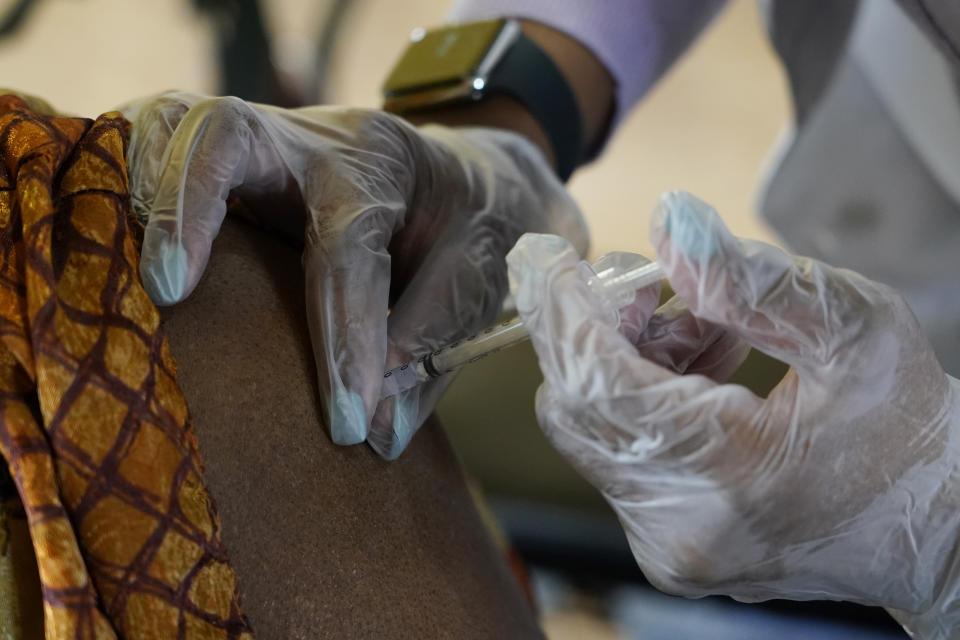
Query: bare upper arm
{"points": [[327, 541]]}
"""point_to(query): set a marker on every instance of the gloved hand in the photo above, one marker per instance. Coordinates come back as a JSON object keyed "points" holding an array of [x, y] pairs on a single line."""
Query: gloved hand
{"points": [[414, 220], [844, 483]]}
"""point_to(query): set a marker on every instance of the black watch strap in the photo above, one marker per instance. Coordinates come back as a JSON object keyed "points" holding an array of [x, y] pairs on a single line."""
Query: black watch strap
{"points": [[528, 75]]}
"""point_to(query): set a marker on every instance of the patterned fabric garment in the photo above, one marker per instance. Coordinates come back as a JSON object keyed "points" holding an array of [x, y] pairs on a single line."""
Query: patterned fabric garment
{"points": [[93, 427]]}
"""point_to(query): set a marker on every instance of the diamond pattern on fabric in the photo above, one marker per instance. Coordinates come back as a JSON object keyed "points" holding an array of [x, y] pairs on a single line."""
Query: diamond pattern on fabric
{"points": [[93, 427]]}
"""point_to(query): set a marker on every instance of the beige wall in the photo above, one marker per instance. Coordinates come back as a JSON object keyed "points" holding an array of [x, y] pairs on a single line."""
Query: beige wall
{"points": [[88, 56], [707, 128]]}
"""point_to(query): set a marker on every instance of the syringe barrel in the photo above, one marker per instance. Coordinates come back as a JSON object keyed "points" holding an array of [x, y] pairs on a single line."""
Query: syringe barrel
{"points": [[615, 278], [488, 341]]}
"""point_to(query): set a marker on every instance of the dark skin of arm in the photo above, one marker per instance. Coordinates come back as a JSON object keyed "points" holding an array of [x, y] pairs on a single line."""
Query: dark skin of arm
{"points": [[327, 541], [589, 79]]}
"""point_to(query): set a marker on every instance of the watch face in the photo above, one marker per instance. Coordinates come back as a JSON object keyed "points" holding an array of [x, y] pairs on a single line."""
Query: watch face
{"points": [[442, 57]]}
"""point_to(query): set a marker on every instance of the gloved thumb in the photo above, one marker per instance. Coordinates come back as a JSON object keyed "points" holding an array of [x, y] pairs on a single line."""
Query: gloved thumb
{"points": [[581, 352], [787, 307]]}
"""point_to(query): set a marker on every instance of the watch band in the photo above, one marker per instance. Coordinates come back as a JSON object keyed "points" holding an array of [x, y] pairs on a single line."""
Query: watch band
{"points": [[528, 75]]}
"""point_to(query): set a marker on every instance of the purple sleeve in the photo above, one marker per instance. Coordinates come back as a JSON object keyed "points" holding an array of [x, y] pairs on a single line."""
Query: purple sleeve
{"points": [[637, 40]]}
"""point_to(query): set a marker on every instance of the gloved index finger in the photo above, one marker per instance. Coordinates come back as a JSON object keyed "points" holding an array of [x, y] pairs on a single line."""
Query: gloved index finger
{"points": [[154, 120], [347, 269], [788, 308], [212, 150], [456, 291]]}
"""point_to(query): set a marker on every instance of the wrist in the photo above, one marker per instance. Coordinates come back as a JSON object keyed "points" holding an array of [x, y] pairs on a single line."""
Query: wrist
{"points": [[553, 91], [498, 112], [937, 552], [589, 79]]}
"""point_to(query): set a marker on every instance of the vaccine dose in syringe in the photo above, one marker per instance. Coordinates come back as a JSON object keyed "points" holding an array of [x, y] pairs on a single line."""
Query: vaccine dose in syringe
{"points": [[614, 277]]}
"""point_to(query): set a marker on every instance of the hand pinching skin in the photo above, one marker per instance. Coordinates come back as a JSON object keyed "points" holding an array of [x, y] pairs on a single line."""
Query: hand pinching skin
{"points": [[414, 220]]}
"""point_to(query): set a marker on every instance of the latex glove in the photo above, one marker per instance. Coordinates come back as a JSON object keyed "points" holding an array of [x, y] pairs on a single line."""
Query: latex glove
{"points": [[842, 484], [415, 220]]}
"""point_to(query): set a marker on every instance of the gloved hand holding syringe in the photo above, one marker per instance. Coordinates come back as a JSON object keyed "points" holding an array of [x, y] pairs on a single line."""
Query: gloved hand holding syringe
{"points": [[615, 277]]}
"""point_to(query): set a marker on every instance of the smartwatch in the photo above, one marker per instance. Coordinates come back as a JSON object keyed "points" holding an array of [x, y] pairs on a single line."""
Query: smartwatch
{"points": [[466, 62]]}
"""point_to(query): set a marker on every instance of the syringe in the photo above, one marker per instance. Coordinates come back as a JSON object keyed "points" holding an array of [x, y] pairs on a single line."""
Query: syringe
{"points": [[615, 277]]}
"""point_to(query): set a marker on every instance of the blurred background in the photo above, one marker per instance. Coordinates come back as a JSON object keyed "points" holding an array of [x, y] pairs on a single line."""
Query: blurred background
{"points": [[711, 127]]}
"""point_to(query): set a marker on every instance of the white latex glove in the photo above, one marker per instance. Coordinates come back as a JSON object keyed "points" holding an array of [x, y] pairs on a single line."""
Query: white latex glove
{"points": [[415, 220], [842, 484]]}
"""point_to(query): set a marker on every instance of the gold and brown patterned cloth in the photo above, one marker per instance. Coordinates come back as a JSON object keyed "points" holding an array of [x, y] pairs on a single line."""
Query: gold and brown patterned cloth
{"points": [[93, 428]]}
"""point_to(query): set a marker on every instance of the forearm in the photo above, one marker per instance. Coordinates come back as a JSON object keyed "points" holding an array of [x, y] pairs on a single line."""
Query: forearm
{"points": [[384, 565]]}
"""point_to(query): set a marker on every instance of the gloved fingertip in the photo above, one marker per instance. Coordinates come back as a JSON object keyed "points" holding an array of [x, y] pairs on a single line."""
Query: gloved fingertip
{"points": [[348, 418], [693, 227], [536, 249], [406, 409], [530, 258], [163, 272]]}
